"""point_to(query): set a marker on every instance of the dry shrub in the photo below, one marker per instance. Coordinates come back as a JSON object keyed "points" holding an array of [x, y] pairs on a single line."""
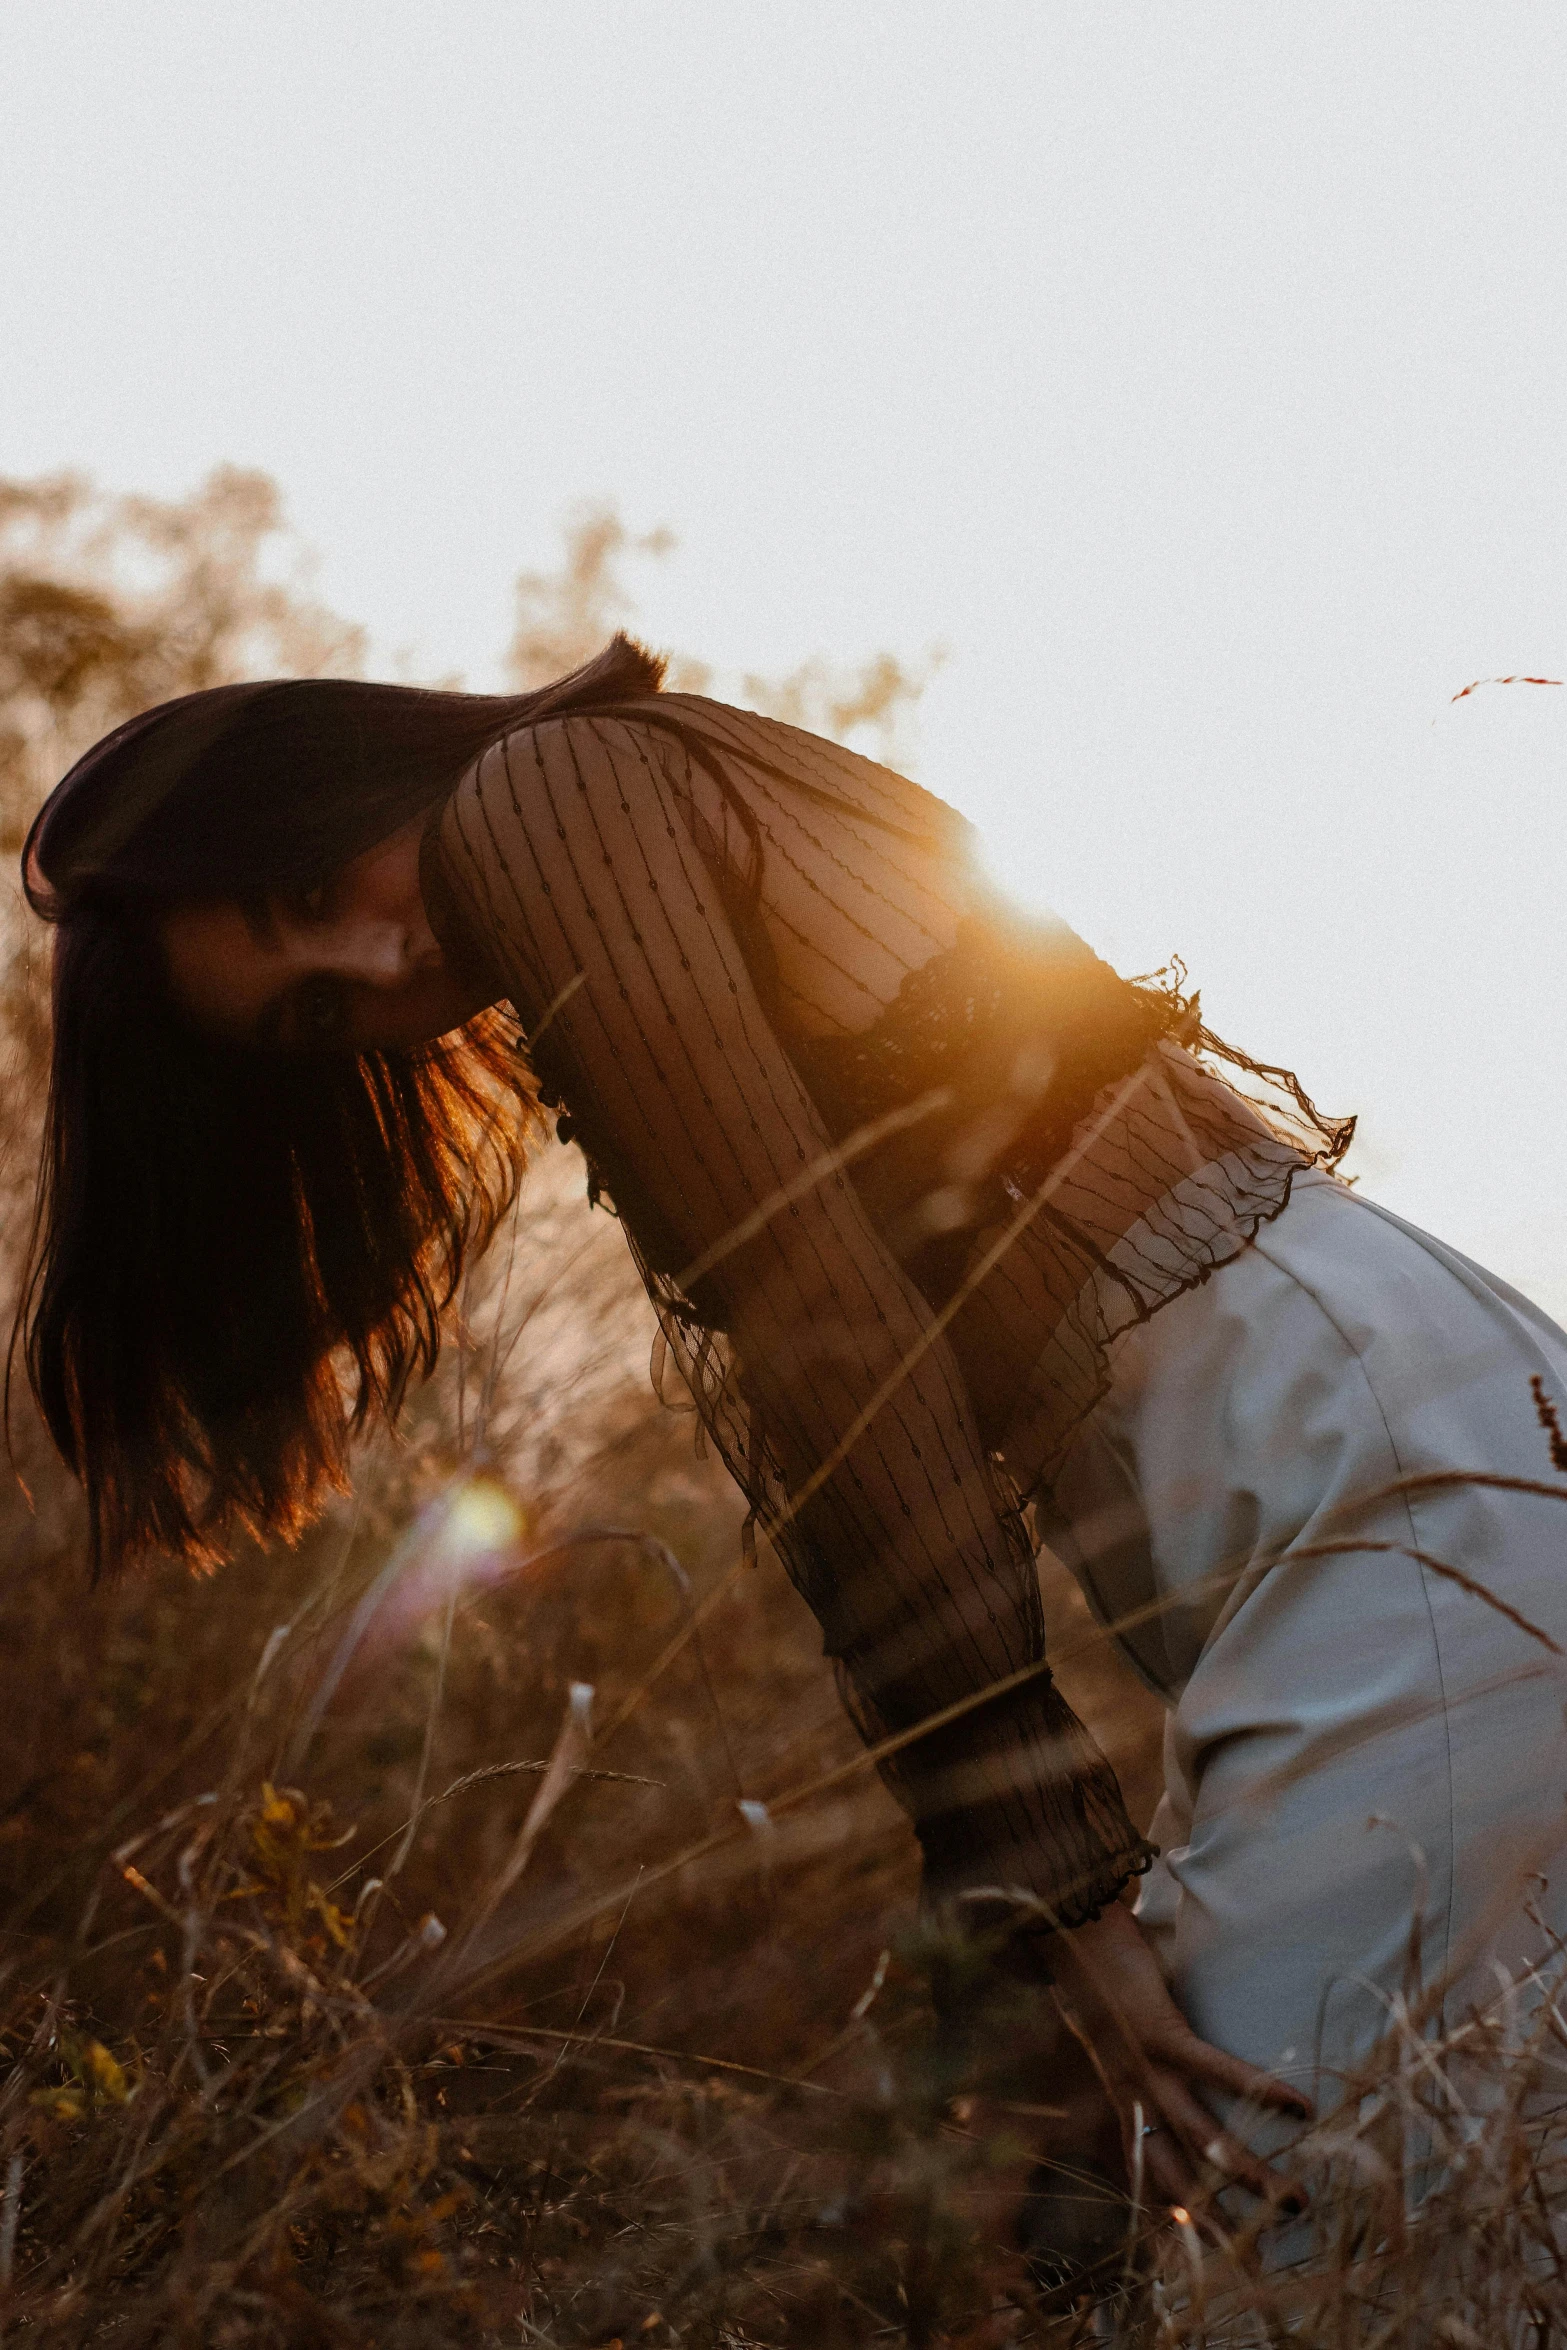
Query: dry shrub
{"points": [[513, 2027], [585, 2057]]}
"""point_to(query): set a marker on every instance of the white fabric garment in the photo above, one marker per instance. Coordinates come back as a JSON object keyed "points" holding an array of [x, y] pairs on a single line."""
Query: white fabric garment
{"points": [[1353, 1738]]}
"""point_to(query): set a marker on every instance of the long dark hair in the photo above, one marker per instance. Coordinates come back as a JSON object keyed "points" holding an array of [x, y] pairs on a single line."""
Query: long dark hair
{"points": [[239, 1257]]}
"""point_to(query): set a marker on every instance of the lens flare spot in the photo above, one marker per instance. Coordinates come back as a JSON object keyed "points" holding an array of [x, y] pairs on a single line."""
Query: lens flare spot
{"points": [[482, 1517]]}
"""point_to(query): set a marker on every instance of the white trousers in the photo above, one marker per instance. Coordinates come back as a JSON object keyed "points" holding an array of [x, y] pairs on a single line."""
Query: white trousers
{"points": [[1357, 1745]]}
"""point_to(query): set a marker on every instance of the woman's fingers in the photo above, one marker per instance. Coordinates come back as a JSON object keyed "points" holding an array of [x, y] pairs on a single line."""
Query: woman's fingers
{"points": [[1120, 2006], [1174, 2172], [1199, 2060], [1215, 2149]]}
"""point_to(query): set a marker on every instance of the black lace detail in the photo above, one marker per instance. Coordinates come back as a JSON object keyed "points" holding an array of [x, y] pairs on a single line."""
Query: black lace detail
{"points": [[1178, 1180], [1018, 1029], [1065, 1084]]}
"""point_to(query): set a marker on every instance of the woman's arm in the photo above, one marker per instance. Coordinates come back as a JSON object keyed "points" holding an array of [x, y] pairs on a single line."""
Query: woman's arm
{"points": [[572, 853]]}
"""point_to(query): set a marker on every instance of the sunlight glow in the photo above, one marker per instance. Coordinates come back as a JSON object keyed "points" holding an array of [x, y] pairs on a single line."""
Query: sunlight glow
{"points": [[481, 1517], [468, 1534]]}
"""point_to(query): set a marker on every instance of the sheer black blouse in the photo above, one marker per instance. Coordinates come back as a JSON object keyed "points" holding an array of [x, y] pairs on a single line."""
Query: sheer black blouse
{"points": [[896, 1165]]}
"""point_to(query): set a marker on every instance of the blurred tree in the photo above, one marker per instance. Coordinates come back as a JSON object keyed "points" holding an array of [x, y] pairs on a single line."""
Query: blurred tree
{"points": [[109, 604], [564, 616]]}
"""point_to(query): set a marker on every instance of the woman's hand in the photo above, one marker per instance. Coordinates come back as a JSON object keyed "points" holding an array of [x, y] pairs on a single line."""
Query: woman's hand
{"points": [[1152, 2064]]}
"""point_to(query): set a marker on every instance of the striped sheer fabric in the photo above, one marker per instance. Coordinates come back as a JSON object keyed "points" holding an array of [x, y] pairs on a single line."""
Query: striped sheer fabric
{"points": [[895, 1166]]}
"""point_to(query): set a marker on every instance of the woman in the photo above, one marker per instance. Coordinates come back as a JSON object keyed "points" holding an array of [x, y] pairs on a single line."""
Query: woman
{"points": [[939, 1216]]}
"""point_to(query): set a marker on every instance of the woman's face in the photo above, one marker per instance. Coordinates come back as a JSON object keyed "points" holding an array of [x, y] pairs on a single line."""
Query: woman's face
{"points": [[349, 967]]}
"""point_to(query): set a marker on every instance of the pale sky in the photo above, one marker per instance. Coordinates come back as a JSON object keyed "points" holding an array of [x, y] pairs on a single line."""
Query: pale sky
{"points": [[1194, 374]]}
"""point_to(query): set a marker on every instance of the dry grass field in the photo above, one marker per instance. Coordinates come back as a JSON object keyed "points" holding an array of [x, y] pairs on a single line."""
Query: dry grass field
{"points": [[478, 1926]]}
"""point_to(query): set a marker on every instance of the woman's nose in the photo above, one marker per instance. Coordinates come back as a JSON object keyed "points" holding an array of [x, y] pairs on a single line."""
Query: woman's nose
{"points": [[377, 954]]}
